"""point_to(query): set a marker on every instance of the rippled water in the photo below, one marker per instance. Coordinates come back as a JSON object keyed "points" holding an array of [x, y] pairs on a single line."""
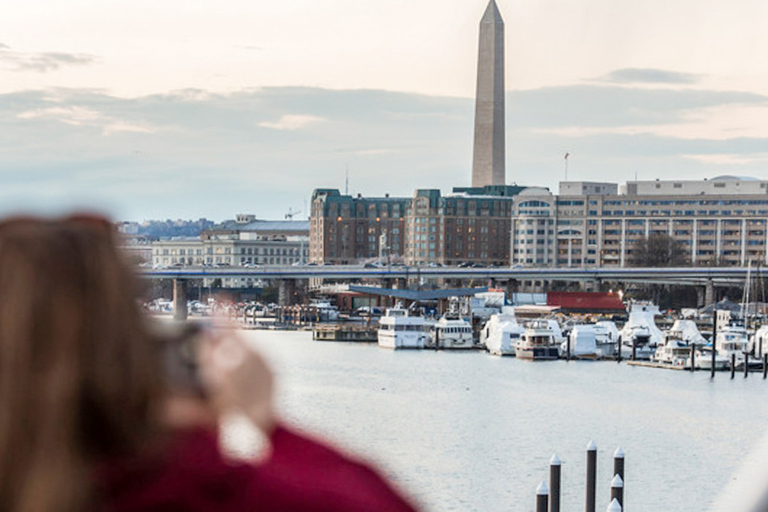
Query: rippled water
{"points": [[473, 432]]}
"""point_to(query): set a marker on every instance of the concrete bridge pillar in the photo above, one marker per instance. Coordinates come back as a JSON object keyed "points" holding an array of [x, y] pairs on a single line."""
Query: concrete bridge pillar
{"points": [[180, 299], [286, 289], [709, 292]]}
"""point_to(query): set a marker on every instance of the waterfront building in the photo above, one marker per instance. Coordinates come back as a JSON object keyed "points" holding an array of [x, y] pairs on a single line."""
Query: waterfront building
{"points": [[243, 241], [470, 225], [723, 221], [344, 229]]}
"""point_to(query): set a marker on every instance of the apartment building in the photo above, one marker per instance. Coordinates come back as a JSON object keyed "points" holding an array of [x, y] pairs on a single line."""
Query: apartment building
{"points": [[723, 221]]}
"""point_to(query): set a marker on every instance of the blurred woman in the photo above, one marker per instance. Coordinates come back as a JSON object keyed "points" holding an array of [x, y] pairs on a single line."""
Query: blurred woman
{"points": [[88, 420]]}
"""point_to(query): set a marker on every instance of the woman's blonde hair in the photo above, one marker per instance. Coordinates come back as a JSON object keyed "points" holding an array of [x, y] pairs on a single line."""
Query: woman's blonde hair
{"points": [[79, 376]]}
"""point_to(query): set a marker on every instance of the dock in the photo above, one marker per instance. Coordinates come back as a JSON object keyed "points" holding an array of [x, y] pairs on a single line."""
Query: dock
{"points": [[651, 364], [350, 333]]}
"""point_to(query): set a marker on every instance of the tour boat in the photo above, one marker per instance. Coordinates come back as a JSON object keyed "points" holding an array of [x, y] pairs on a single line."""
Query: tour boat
{"points": [[399, 330], [538, 342], [501, 333], [451, 332]]}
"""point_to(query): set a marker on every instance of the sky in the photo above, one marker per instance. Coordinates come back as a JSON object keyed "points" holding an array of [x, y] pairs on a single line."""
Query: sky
{"points": [[189, 109]]}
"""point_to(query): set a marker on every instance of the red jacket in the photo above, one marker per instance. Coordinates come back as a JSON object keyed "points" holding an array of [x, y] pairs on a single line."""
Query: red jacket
{"points": [[192, 475]]}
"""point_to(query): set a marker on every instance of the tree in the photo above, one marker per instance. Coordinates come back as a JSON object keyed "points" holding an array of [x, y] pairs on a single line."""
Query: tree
{"points": [[658, 250]]}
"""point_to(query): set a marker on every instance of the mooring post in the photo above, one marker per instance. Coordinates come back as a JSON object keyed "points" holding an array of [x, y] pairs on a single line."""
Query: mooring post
{"points": [[615, 506], [618, 352], [542, 498], [617, 490], [746, 364], [180, 299], [714, 342], [765, 365], [634, 348], [693, 356], [591, 476], [554, 483], [568, 348], [733, 365], [618, 463]]}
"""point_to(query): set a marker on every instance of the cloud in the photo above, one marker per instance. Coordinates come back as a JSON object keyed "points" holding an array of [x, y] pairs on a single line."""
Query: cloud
{"points": [[84, 116], [292, 122], [193, 153], [43, 62], [649, 76]]}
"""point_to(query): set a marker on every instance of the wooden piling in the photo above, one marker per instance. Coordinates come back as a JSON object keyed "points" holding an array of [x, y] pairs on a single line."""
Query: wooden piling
{"points": [[617, 490], [555, 467], [634, 349], [765, 366], [693, 357], [733, 365], [592, 474], [714, 342], [618, 463], [615, 506], [542, 498], [746, 364]]}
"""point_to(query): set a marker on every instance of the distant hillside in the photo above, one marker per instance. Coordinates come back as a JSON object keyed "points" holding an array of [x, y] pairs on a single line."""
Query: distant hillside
{"points": [[171, 228]]}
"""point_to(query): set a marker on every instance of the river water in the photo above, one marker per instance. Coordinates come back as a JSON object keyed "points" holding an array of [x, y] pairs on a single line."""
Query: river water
{"points": [[474, 432]]}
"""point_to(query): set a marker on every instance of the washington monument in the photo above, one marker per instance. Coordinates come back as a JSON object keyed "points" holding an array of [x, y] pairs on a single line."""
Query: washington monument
{"points": [[488, 158]]}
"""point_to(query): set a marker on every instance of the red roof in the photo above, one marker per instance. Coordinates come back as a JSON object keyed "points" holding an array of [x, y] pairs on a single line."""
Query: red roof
{"points": [[586, 301]]}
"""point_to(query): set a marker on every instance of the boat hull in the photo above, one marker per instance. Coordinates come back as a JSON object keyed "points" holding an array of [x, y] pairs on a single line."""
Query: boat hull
{"points": [[537, 353]]}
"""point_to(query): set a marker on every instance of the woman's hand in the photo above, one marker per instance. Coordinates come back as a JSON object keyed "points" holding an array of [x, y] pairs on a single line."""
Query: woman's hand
{"points": [[237, 378]]}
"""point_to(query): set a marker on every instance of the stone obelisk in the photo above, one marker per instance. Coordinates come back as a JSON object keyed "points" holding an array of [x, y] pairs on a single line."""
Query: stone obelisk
{"points": [[488, 158]]}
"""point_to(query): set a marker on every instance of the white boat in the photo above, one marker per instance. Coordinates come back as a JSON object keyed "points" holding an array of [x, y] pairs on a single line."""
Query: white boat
{"points": [[399, 330], [704, 359], [581, 343], [640, 331], [675, 351], [451, 332], [323, 311], [606, 338], [732, 342], [687, 331], [760, 342], [501, 333], [538, 342]]}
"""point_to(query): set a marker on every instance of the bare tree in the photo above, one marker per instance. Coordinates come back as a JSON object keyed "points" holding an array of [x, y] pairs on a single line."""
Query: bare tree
{"points": [[658, 250]]}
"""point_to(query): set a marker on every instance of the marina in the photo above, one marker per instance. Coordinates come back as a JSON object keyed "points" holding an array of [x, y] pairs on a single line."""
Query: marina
{"points": [[448, 425]]}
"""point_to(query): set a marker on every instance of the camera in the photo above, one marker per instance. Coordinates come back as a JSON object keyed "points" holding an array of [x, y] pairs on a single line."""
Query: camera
{"points": [[178, 344]]}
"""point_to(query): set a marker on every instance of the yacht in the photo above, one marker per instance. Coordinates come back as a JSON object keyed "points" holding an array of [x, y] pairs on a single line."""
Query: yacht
{"points": [[399, 330], [581, 343], [732, 340], [323, 311], [451, 332], [606, 338], [704, 359], [760, 342], [640, 331], [675, 351], [537, 342], [502, 333]]}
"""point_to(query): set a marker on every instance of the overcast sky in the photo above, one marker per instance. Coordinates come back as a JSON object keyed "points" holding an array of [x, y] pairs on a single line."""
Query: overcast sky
{"points": [[152, 109]]}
